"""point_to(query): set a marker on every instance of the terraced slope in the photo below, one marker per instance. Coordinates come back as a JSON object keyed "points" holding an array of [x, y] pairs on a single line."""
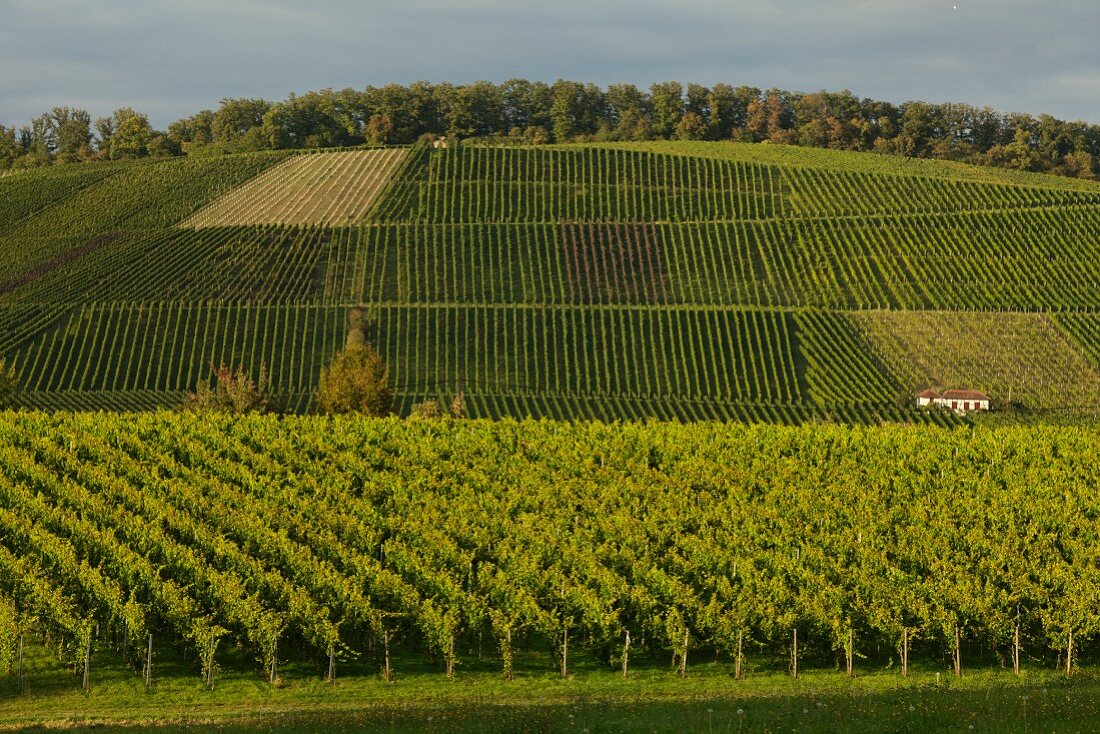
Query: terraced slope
{"points": [[58, 216], [675, 281], [321, 188], [1020, 358], [840, 161]]}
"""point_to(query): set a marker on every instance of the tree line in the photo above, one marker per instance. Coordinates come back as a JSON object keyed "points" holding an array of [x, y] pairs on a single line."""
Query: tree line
{"points": [[567, 111]]}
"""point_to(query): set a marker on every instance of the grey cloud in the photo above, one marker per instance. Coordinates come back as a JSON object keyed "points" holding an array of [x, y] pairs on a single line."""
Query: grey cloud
{"points": [[170, 58]]}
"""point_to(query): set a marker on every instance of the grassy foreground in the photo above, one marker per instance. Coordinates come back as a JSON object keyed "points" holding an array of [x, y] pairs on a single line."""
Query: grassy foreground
{"points": [[653, 699]]}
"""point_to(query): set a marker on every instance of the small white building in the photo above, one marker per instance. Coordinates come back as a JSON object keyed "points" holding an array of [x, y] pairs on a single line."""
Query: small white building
{"points": [[960, 401]]}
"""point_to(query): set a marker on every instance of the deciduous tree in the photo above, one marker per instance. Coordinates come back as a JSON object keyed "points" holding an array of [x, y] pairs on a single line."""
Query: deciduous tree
{"points": [[231, 391], [356, 381]]}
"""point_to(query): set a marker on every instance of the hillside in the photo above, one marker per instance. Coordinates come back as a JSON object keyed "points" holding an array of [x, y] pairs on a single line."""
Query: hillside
{"points": [[671, 280]]}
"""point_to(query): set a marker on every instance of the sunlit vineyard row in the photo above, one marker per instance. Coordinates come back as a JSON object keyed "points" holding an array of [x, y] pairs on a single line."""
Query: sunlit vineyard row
{"points": [[327, 538], [843, 161], [1023, 359], [320, 188], [715, 362], [1029, 261], [139, 195], [505, 184], [544, 185]]}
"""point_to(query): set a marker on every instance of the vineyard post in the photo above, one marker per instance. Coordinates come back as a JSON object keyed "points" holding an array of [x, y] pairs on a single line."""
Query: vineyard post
{"points": [[208, 661], [565, 651], [451, 657], [1016, 650], [737, 660], [684, 656], [506, 653], [626, 651], [1069, 655], [387, 673], [849, 650], [273, 673], [958, 652], [149, 663], [87, 660], [21, 689], [794, 653], [904, 652]]}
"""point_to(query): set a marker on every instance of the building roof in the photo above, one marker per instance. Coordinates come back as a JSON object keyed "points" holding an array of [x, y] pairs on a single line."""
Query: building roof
{"points": [[965, 395], [930, 394]]}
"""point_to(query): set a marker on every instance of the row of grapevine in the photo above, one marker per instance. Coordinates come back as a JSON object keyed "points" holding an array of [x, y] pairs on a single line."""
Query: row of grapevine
{"points": [[840, 367], [1034, 260], [719, 356], [41, 189], [1017, 359], [795, 158], [337, 534], [1084, 331], [816, 192], [321, 188], [115, 401], [101, 499], [401, 195], [225, 264], [19, 324], [575, 262], [485, 184], [495, 406], [602, 362], [139, 196], [165, 346], [965, 261], [1027, 260], [508, 184]]}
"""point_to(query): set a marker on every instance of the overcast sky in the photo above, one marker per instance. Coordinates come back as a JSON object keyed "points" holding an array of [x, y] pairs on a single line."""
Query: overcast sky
{"points": [[171, 58]]}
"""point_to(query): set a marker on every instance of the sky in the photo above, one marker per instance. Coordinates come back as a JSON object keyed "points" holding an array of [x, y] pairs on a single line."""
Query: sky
{"points": [[172, 58]]}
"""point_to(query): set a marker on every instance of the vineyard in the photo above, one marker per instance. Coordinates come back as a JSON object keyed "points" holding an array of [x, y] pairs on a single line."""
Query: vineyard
{"points": [[620, 281], [327, 539], [1022, 357], [321, 188]]}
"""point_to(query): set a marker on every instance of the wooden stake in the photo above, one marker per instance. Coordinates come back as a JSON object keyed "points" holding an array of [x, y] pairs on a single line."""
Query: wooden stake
{"points": [[684, 657], [273, 674], [794, 653], [565, 653], [1016, 651], [508, 656], [387, 674], [904, 652], [209, 663], [1069, 655], [626, 651], [451, 659], [87, 661], [737, 661], [149, 663], [850, 650], [22, 688], [958, 652]]}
